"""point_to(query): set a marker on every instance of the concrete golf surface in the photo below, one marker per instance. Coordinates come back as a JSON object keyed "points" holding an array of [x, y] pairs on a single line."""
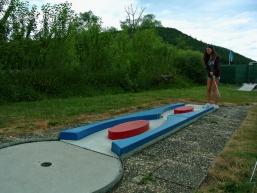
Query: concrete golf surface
{"points": [[86, 160], [248, 87], [56, 167]]}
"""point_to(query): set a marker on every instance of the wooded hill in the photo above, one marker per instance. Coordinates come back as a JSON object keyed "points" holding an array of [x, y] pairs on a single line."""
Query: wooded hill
{"points": [[183, 41], [63, 53]]}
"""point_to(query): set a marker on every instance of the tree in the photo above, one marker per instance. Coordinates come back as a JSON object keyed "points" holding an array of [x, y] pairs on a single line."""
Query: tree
{"points": [[17, 21], [133, 19], [6, 9], [88, 20], [23, 21], [58, 21], [31, 21], [149, 21], [110, 29]]}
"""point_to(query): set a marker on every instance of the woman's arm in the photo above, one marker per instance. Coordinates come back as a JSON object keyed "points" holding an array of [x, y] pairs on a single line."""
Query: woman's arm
{"points": [[217, 66], [207, 67]]}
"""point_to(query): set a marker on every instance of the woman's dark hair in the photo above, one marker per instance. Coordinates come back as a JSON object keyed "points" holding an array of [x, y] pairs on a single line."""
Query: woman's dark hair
{"points": [[206, 56]]}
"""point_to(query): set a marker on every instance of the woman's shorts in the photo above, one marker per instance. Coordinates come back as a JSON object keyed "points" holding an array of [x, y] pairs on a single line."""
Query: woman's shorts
{"points": [[216, 78]]}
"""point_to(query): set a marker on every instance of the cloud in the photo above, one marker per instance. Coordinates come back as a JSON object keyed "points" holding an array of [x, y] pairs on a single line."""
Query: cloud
{"points": [[221, 34], [232, 30], [231, 24], [111, 11]]}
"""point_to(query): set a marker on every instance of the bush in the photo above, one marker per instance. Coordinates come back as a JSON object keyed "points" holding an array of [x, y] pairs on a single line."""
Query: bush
{"points": [[190, 65], [91, 63]]}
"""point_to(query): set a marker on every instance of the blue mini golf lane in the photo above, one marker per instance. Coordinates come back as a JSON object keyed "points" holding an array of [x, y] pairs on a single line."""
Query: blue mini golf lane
{"points": [[81, 132], [126, 146]]}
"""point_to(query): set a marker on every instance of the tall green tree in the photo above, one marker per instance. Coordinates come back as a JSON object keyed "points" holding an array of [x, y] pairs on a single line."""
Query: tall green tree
{"points": [[6, 9], [23, 21], [149, 21], [88, 20], [57, 22]]}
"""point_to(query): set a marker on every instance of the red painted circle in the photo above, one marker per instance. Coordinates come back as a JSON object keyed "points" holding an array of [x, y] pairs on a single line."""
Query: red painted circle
{"points": [[184, 109], [128, 129]]}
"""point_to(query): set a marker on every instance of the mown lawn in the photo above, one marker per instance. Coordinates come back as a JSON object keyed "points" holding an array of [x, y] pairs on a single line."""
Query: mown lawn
{"points": [[24, 117]]}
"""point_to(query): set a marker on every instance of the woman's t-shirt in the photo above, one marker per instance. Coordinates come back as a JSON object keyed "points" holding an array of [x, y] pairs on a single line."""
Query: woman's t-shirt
{"points": [[211, 64]]}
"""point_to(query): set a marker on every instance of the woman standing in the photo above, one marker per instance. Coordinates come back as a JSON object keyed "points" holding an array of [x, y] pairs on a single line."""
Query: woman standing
{"points": [[212, 64]]}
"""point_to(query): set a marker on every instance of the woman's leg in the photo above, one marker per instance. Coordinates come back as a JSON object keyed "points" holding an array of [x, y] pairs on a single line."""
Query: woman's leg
{"points": [[209, 88], [215, 90]]}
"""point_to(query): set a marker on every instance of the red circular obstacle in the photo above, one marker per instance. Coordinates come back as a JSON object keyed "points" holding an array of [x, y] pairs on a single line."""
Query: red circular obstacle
{"points": [[184, 109], [128, 129]]}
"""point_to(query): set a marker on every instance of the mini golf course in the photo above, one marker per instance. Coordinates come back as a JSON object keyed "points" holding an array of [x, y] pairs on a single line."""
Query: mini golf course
{"points": [[248, 87], [88, 158]]}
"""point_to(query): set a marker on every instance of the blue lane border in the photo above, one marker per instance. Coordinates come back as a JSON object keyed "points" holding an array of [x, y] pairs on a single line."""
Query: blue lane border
{"points": [[83, 131], [122, 147]]}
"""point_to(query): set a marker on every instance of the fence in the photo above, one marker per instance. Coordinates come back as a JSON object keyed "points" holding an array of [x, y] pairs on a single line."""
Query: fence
{"points": [[239, 73]]}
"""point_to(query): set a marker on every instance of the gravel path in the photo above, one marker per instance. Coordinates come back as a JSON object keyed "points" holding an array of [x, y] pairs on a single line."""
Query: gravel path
{"points": [[178, 163]]}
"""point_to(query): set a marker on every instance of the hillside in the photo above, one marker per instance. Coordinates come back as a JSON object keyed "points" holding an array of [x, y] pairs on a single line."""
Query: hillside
{"points": [[183, 41], [71, 55]]}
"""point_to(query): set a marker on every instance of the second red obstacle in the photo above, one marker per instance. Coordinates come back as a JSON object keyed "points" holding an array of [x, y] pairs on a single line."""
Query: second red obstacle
{"points": [[184, 109], [128, 129]]}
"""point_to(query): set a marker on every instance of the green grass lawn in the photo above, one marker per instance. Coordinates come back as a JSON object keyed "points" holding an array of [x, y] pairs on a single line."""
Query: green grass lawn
{"points": [[60, 112]]}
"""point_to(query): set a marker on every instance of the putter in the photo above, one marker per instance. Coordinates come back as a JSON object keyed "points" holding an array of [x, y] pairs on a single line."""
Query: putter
{"points": [[215, 84]]}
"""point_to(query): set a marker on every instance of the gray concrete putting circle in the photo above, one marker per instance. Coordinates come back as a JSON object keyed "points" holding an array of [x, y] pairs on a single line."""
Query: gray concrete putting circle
{"points": [[56, 167]]}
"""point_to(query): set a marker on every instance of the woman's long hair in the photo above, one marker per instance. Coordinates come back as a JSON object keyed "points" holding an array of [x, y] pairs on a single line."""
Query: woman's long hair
{"points": [[206, 57]]}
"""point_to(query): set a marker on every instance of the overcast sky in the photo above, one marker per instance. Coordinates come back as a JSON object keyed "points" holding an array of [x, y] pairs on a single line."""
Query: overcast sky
{"points": [[228, 23]]}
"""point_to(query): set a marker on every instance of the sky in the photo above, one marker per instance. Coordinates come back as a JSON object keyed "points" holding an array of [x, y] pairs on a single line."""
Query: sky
{"points": [[227, 23]]}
